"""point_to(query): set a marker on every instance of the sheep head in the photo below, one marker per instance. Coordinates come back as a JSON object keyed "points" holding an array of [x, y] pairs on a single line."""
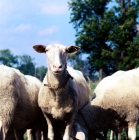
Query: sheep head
{"points": [[56, 55]]}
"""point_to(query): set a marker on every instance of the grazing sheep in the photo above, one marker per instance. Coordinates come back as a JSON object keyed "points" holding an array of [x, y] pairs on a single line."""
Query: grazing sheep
{"points": [[106, 131], [18, 101], [64, 90], [82, 126], [116, 105]]}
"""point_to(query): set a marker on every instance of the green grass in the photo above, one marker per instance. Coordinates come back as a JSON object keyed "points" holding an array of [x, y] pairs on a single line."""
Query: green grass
{"points": [[25, 136], [92, 87], [124, 135]]}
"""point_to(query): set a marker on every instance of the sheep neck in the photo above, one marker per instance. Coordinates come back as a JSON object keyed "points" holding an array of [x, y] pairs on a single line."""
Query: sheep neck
{"points": [[56, 81]]}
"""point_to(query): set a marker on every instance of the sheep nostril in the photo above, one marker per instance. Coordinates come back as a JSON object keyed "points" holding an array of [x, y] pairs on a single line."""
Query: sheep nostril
{"points": [[54, 66], [60, 66]]}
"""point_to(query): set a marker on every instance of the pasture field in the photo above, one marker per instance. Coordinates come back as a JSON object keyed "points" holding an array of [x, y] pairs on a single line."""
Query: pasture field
{"points": [[92, 88]]}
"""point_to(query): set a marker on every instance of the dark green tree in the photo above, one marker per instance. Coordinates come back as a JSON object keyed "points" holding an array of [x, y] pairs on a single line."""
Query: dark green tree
{"points": [[99, 31], [40, 72], [93, 23], [26, 64], [7, 58], [123, 37], [78, 63]]}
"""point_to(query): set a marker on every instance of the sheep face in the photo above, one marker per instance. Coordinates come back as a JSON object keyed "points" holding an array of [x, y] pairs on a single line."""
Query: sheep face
{"points": [[56, 55]]}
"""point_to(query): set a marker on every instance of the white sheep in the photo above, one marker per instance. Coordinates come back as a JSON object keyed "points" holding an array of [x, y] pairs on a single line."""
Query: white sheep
{"points": [[64, 90], [116, 105], [18, 101]]}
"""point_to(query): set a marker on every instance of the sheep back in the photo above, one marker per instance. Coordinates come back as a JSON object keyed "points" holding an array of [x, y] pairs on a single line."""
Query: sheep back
{"points": [[81, 86], [120, 93]]}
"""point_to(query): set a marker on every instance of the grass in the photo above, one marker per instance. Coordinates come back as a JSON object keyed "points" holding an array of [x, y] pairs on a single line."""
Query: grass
{"points": [[25, 137], [92, 86]]}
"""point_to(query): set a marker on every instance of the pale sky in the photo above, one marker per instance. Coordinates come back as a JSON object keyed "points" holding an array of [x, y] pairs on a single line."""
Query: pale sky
{"points": [[24, 23]]}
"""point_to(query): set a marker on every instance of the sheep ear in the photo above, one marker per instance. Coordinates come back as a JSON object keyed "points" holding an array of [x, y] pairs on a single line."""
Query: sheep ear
{"points": [[72, 49], [40, 48]]}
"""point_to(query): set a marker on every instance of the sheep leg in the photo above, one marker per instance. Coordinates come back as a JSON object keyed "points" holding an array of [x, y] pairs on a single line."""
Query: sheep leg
{"points": [[29, 133], [4, 124], [34, 134], [132, 130], [44, 134], [105, 132], [3, 131], [50, 127], [118, 136], [38, 134], [111, 135], [69, 124], [67, 131], [79, 134], [19, 134]]}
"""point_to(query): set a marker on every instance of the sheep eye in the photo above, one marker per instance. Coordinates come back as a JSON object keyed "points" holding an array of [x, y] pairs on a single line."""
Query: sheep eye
{"points": [[46, 50]]}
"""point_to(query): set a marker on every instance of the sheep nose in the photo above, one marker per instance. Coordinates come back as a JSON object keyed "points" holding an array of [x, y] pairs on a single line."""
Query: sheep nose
{"points": [[57, 66]]}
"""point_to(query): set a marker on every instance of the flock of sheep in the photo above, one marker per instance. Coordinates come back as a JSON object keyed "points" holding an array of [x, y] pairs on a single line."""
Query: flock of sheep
{"points": [[60, 108]]}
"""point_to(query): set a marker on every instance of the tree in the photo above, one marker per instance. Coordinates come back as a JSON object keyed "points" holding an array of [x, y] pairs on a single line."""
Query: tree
{"points": [[92, 24], [99, 31], [40, 72], [26, 64], [7, 58], [123, 37]]}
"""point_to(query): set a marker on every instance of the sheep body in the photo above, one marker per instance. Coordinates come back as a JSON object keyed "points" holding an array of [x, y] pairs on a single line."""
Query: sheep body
{"points": [[18, 100], [116, 105], [61, 103], [64, 90]]}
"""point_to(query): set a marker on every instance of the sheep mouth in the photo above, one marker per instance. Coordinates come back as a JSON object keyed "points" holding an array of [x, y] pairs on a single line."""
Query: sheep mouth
{"points": [[57, 72]]}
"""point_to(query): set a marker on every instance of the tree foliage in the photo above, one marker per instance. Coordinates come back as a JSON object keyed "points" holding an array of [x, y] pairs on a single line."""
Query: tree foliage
{"points": [[77, 62], [106, 34], [40, 72], [25, 63], [7, 58]]}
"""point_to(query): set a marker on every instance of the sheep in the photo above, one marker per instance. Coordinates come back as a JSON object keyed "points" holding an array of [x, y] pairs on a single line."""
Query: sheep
{"points": [[18, 101], [81, 123], [106, 131], [64, 90], [116, 105]]}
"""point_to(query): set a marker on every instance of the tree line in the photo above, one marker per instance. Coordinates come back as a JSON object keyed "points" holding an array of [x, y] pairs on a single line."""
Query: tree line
{"points": [[108, 32], [25, 63]]}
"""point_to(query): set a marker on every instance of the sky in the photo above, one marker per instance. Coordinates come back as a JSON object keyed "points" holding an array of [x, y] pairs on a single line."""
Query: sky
{"points": [[24, 23]]}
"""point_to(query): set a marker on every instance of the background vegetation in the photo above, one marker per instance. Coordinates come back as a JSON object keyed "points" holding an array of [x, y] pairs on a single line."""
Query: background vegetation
{"points": [[107, 31], [24, 63]]}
